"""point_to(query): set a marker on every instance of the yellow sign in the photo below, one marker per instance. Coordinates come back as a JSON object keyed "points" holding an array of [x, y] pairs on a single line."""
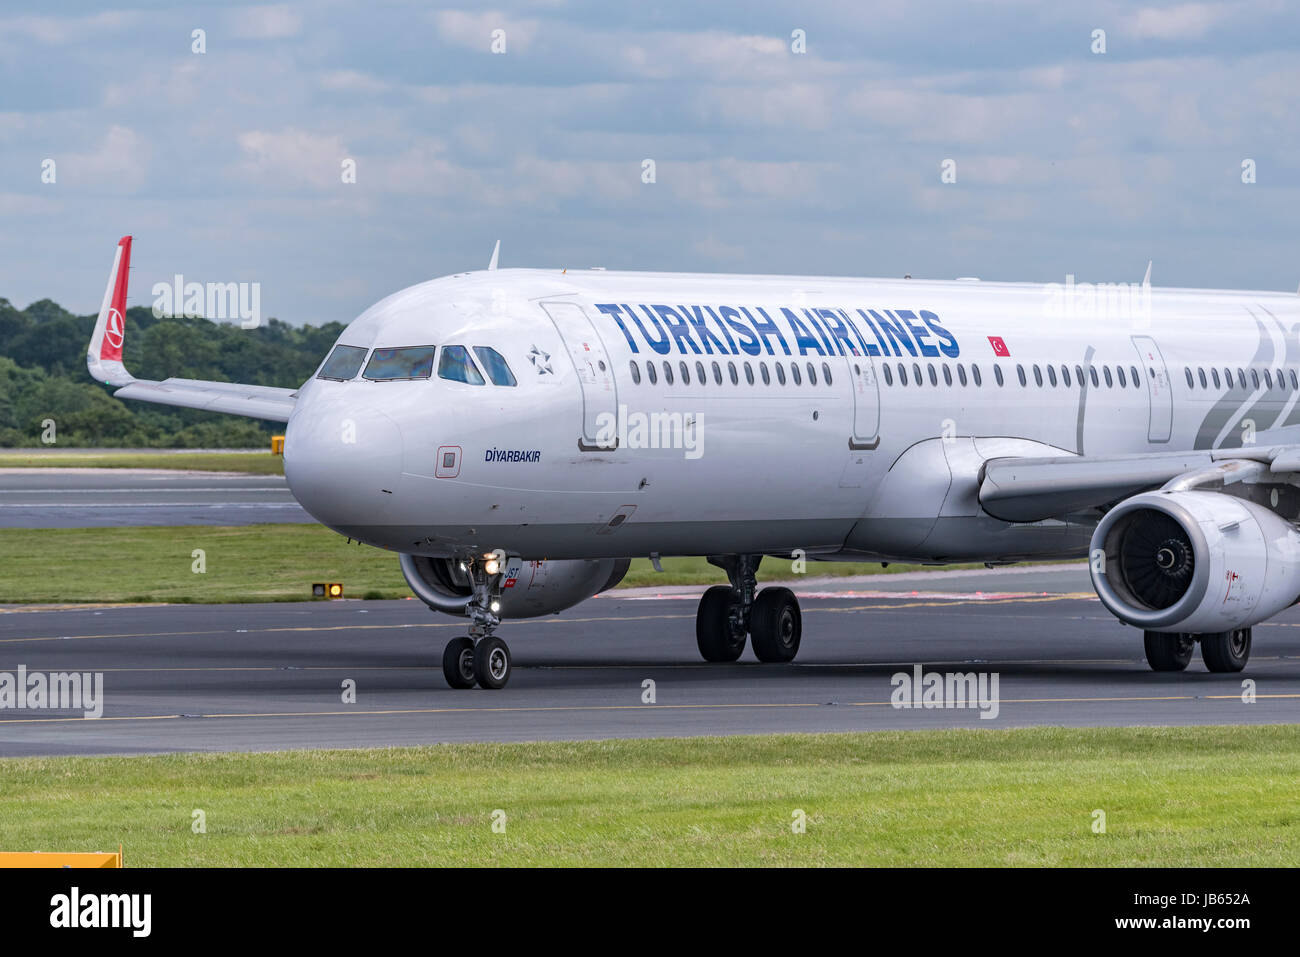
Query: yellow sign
{"points": [[56, 859], [277, 445]]}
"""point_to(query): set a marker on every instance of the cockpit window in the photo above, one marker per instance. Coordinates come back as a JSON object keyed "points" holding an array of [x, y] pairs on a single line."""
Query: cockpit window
{"points": [[495, 364], [344, 363], [456, 365], [408, 362]]}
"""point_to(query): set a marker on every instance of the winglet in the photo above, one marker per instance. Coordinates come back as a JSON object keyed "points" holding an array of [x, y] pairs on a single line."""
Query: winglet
{"points": [[1146, 280], [496, 251], [104, 355]]}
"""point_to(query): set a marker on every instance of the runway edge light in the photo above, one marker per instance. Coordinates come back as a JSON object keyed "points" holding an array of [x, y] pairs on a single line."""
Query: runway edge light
{"points": [[327, 590]]}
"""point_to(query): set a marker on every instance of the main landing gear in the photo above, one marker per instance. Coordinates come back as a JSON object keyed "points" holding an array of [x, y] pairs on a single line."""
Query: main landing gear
{"points": [[729, 613], [480, 657], [1222, 651]]}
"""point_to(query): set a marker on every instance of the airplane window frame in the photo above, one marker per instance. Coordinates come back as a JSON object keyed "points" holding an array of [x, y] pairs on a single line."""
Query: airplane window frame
{"points": [[499, 363], [394, 350], [338, 347], [635, 370]]}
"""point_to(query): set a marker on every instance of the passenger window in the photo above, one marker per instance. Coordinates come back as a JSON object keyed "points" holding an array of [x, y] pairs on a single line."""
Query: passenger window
{"points": [[700, 376], [731, 373], [1133, 372], [902, 374], [1123, 383], [1214, 374], [686, 373], [749, 373], [1051, 376], [343, 363], [650, 371], [961, 373], [495, 365], [780, 373], [636, 372], [717, 374], [826, 373], [997, 374], [1241, 376], [947, 374], [1200, 374], [1020, 374], [812, 374], [668, 372], [1254, 378], [794, 373], [413, 362], [916, 373], [1092, 374], [889, 376], [1188, 372], [975, 374], [1294, 383], [1078, 376], [1065, 375], [767, 376], [1110, 383]]}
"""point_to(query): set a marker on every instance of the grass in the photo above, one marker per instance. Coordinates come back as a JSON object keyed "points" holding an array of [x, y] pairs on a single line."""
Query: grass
{"points": [[1172, 796], [255, 463], [256, 563]]}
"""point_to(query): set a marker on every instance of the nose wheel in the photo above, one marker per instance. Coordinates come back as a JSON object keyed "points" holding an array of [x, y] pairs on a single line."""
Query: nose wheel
{"points": [[480, 658]]}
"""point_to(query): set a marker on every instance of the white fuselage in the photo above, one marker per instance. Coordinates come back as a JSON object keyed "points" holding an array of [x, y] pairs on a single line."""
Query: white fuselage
{"points": [[564, 464]]}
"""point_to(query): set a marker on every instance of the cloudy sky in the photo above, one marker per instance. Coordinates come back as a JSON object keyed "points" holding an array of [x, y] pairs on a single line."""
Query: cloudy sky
{"points": [[227, 165]]}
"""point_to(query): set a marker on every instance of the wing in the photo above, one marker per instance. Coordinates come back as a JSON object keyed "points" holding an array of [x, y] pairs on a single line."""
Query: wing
{"points": [[104, 360], [1033, 489]]}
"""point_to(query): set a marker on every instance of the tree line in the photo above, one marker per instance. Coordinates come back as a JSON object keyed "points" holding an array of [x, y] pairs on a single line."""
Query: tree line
{"points": [[43, 377]]}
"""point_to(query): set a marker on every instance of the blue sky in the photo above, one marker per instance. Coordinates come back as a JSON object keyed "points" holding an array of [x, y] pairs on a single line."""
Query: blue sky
{"points": [[226, 165]]}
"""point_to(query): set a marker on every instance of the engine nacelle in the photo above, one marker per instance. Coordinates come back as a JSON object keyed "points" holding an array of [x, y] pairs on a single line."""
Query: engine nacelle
{"points": [[1194, 561], [529, 588]]}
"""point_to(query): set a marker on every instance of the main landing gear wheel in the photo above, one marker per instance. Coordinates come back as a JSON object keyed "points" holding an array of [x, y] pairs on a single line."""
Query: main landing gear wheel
{"points": [[458, 662], [1226, 650], [775, 625], [1168, 651], [717, 631], [491, 663]]}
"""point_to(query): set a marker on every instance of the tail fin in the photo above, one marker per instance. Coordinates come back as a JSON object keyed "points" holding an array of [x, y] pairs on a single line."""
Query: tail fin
{"points": [[104, 356]]}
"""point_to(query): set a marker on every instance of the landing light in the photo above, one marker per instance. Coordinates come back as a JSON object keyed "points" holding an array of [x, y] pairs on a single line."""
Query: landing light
{"points": [[492, 566], [496, 607]]}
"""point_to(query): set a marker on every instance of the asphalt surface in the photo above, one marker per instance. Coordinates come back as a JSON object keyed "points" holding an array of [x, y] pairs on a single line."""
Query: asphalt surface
{"points": [[98, 498], [266, 677]]}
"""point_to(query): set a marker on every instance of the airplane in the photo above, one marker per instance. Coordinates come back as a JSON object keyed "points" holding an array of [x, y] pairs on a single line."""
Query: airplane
{"points": [[516, 436]]}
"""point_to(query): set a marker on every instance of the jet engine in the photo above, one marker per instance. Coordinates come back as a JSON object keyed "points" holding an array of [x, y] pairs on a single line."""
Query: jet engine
{"points": [[1194, 561], [528, 588]]}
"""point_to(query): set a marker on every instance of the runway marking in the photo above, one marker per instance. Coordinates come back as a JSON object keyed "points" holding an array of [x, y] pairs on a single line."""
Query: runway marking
{"points": [[457, 624], [717, 706]]}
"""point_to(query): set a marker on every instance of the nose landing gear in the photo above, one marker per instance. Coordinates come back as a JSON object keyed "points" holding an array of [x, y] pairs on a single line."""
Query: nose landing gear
{"points": [[480, 657]]}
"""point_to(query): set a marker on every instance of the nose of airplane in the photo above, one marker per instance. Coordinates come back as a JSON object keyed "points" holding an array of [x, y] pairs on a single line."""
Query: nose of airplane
{"points": [[343, 461]]}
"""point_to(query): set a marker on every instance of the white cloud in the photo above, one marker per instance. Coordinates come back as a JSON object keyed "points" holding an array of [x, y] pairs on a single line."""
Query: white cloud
{"points": [[1184, 21], [119, 164], [293, 158], [266, 23], [474, 30]]}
